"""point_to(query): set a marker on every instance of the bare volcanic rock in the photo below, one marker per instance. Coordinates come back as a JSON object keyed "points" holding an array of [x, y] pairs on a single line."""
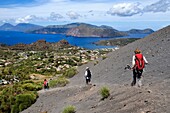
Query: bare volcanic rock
{"points": [[63, 42], [152, 97]]}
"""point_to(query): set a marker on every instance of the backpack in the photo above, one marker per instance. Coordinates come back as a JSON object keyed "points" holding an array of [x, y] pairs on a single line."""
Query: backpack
{"points": [[139, 61], [45, 83], [88, 73]]}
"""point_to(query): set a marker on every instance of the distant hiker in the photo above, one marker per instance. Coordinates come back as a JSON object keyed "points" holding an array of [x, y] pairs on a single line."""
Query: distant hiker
{"points": [[88, 75], [45, 84], [138, 64]]}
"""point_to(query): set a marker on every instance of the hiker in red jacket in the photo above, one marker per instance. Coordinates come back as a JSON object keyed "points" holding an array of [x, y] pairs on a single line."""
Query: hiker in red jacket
{"points": [[45, 84], [138, 64]]}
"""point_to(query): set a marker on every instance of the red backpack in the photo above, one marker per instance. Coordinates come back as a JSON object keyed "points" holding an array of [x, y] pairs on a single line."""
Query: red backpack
{"points": [[139, 61], [45, 83]]}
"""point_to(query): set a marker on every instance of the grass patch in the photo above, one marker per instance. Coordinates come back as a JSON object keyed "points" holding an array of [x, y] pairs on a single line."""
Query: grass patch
{"points": [[104, 92], [59, 82], [69, 109], [70, 73], [96, 62], [104, 57]]}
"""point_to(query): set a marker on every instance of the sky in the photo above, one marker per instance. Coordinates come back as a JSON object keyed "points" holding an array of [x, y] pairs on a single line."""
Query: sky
{"points": [[119, 14]]}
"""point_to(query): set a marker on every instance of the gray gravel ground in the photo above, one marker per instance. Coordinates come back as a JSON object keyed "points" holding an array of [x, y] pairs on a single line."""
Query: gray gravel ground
{"points": [[152, 97]]}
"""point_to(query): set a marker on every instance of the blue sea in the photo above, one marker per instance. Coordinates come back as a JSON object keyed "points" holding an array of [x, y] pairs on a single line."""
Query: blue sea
{"points": [[12, 37]]}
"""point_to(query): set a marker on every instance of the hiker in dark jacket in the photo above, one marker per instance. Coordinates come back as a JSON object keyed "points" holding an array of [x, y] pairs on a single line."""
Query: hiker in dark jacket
{"points": [[138, 64], [88, 75]]}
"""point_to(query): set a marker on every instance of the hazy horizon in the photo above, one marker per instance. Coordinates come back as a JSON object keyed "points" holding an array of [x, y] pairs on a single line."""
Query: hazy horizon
{"points": [[78, 22]]}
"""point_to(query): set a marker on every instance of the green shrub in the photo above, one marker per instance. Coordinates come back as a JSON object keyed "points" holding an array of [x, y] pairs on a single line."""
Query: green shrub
{"points": [[76, 59], [104, 57], [70, 62], [59, 82], [96, 62], [23, 106], [23, 101], [28, 87], [103, 52], [31, 87], [14, 99], [27, 81], [70, 73], [105, 93], [69, 109], [47, 72], [4, 107], [15, 109], [16, 103], [79, 64]]}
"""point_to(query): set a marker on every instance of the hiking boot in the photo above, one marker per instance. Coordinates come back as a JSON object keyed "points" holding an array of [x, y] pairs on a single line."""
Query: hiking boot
{"points": [[132, 84], [139, 83]]}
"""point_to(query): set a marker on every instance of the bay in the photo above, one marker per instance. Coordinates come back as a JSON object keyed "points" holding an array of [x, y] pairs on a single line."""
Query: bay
{"points": [[12, 37]]}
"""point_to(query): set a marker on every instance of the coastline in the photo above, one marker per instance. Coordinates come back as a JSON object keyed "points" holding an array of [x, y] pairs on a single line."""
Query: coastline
{"points": [[117, 42], [12, 38]]}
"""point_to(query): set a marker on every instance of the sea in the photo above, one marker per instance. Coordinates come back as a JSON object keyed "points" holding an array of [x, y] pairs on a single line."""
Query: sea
{"points": [[13, 37]]}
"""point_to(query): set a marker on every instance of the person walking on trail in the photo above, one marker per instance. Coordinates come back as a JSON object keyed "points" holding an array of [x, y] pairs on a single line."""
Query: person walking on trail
{"points": [[45, 84], [138, 64], [88, 75]]}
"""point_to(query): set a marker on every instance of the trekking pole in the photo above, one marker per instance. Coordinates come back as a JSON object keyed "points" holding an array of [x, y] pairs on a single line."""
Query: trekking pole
{"points": [[128, 67]]}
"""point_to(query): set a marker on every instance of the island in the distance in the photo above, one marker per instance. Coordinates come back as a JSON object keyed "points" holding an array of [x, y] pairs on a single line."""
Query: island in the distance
{"points": [[73, 29]]}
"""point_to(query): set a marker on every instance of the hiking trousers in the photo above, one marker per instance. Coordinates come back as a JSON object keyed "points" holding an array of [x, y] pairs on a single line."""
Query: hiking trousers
{"points": [[137, 74], [88, 80]]}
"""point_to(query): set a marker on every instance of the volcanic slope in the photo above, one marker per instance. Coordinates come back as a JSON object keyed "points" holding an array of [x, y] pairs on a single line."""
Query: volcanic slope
{"points": [[152, 97]]}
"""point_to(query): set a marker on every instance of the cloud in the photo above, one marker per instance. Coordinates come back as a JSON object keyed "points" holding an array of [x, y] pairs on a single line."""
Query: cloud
{"points": [[28, 19], [32, 18], [125, 9], [160, 6], [90, 11], [12, 21], [130, 9], [54, 16], [73, 15], [53, 11]]}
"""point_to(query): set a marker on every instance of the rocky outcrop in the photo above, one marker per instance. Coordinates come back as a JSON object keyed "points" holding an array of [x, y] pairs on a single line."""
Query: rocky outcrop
{"points": [[40, 45]]}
